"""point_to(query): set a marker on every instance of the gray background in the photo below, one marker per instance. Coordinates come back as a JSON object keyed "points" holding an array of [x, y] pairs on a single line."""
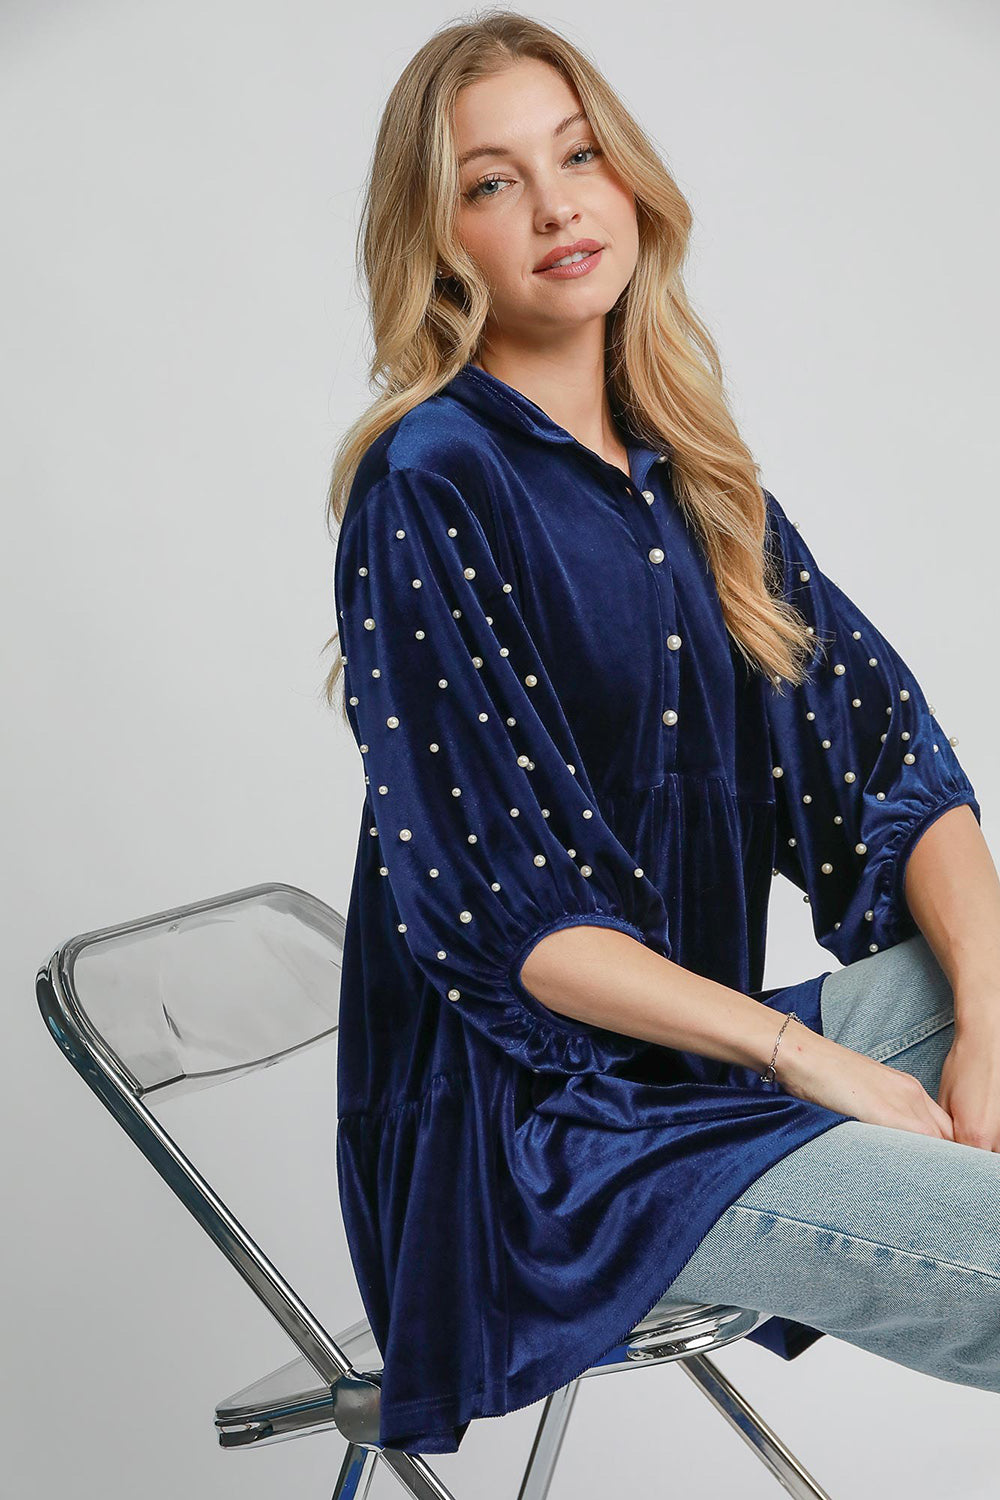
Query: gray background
{"points": [[183, 343]]}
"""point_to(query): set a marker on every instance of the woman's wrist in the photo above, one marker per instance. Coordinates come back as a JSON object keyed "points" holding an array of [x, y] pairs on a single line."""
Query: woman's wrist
{"points": [[799, 1055]]}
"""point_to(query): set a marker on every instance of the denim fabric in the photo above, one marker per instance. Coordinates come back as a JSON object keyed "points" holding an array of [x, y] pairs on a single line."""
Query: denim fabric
{"points": [[885, 1238]]}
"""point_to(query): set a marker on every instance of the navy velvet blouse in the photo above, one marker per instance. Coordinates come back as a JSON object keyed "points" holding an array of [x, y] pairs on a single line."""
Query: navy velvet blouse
{"points": [[556, 728]]}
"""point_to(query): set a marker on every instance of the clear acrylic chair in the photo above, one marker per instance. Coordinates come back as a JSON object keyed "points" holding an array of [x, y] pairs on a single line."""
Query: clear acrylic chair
{"points": [[202, 994]]}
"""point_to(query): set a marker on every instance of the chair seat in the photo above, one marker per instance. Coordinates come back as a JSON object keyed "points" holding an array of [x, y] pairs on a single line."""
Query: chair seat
{"points": [[294, 1399]]}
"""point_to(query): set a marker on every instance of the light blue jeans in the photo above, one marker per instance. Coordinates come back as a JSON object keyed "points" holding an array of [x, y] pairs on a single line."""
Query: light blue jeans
{"points": [[882, 1237]]}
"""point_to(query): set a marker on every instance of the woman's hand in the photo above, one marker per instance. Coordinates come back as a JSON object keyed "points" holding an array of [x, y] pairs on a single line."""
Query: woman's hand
{"points": [[822, 1071], [970, 1083]]}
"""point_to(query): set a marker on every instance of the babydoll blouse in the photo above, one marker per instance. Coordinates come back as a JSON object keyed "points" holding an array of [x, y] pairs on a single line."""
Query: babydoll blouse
{"points": [[556, 728]]}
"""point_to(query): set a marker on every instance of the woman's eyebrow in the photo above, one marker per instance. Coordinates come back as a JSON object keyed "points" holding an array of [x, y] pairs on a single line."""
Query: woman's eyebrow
{"points": [[573, 119]]}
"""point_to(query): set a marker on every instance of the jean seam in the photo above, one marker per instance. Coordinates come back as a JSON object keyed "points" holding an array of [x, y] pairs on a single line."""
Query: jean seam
{"points": [[861, 1239], [925, 1028]]}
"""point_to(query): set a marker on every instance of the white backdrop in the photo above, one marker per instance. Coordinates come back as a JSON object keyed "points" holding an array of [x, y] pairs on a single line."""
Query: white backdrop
{"points": [[184, 340]]}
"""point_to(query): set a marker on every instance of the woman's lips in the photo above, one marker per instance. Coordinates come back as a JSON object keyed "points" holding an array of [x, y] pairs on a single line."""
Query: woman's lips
{"points": [[574, 269]]}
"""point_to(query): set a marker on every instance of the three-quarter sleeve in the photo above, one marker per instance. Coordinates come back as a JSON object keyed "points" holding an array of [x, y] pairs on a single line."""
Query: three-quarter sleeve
{"points": [[488, 830], [861, 766]]}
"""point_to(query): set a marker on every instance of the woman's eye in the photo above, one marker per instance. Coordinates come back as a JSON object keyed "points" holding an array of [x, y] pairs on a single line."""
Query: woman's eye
{"points": [[478, 189]]}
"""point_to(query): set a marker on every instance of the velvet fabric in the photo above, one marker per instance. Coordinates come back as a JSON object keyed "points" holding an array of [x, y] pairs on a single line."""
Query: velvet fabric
{"points": [[557, 729]]}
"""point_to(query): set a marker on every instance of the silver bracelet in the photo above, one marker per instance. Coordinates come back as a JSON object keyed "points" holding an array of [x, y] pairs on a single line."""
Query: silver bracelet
{"points": [[768, 1077]]}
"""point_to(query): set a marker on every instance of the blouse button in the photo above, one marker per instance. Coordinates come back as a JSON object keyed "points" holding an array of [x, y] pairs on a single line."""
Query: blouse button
{"points": [[648, 495], [656, 554], [674, 642], [670, 717]]}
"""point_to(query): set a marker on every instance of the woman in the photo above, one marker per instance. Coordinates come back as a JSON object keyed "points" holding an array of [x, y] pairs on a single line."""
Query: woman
{"points": [[602, 689]]}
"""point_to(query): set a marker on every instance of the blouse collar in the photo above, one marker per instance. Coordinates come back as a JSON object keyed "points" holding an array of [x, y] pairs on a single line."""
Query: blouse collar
{"points": [[493, 397]]}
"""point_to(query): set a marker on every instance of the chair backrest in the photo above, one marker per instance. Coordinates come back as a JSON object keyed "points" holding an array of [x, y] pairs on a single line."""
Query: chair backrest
{"points": [[192, 997], [199, 994]]}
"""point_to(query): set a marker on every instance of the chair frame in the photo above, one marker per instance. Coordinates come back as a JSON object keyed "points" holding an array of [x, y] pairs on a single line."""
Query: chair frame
{"points": [[323, 1388]]}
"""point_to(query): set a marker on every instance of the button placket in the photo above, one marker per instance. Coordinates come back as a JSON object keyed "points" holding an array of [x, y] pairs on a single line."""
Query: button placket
{"points": [[654, 524]]}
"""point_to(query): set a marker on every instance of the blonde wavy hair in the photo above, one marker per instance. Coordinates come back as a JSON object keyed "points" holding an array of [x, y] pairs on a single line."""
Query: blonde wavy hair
{"points": [[663, 368]]}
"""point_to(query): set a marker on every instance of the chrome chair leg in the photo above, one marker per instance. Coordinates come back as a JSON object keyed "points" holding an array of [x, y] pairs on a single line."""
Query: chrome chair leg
{"points": [[356, 1473], [752, 1428], [548, 1441], [414, 1474]]}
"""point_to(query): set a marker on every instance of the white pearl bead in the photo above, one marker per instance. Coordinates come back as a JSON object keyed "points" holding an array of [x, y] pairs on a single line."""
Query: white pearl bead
{"points": [[469, 572], [861, 848], [369, 624], [674, 642], [454, 994], [465, 916], [530, 680], [777, 771], [539, 859], [670, 716], [656, 554], [909, 758], [405, 834], [392, 721], [827, 869], [648, 495], [849, 776]]}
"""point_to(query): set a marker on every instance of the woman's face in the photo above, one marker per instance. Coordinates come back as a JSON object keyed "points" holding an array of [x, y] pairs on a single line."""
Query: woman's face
{"points": [[540, 183]]}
